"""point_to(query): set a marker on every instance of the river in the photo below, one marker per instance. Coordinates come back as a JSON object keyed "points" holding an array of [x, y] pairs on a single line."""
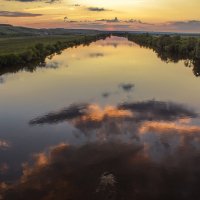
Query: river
{"points": [[108, 121]]}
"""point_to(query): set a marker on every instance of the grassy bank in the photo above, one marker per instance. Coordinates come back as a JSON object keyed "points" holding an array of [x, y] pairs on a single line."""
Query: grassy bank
{"points": [[18, 45], [30, 52]]}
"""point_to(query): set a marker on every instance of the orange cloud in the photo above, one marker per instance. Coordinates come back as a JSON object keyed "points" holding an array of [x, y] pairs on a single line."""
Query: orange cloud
{"points": [[168, 127], [95, 113]]}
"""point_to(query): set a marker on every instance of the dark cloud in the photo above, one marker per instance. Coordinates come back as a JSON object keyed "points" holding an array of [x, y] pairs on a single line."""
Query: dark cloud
{"points": [[190, 22], [71, 172], [96, 9], [113, 44], [127, 119], [113, 170], [140, 150], [52, 65], [17, 14], [158, 110], [46, 1], [65, 19], [109, 20], [96, 55], [75, 112], [69, 113], [191, 25], [134, 20], [106, 94], [147, 110], [161, 126], [126, 86], [76, 5], [137, 21]]}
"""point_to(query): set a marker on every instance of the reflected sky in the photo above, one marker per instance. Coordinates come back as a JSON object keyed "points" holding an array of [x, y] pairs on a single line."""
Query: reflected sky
{"points": [[101, 114], [160, 126]]}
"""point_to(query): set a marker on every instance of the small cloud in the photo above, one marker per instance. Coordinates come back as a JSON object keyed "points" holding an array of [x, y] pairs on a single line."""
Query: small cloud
{"points": [[17, 14], [126, 86], [96, 9], [137, 21], [109, 20], [45, 1], [96, 55], [186, 25], [106, 94], [52, 65], [73, 111], [65, 19]]}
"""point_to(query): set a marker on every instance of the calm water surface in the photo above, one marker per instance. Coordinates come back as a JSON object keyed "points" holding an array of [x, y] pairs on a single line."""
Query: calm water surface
{"points": [[109, 120]]}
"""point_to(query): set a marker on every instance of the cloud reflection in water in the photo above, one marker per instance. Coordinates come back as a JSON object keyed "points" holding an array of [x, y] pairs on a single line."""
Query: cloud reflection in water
{"points": [[70, 172], [141, 150]]}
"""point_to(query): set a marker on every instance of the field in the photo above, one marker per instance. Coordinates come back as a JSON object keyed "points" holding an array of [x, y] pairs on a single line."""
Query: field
{"points": [[19, 45]]}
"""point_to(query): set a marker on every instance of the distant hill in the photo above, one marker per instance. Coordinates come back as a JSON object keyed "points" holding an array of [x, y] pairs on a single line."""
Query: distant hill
{"points": [[9, 30]]}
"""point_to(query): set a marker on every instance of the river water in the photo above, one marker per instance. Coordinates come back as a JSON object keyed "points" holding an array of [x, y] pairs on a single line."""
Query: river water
{"points": [[109, 120]]}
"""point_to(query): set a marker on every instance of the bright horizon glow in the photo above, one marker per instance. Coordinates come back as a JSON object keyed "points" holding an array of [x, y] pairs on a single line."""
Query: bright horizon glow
{"points": [[149, 15]]}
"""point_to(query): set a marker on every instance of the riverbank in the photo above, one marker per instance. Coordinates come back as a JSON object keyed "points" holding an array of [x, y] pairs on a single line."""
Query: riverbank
{"points": [[30, 52]]}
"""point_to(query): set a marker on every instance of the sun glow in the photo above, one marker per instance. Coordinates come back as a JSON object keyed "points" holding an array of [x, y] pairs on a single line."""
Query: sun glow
{"points": [[146, 15]]}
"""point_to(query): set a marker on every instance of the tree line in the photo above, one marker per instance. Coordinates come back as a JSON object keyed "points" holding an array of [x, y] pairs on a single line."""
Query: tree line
{"points": [[35, 56]]}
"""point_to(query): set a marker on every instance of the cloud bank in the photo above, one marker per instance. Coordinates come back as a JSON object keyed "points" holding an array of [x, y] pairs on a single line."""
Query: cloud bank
{"points": [[17, 14]]}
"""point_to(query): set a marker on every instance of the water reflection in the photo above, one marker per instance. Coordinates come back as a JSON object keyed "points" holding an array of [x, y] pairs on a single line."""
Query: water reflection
{"points": [[160, 127], [52, 65], [35, 56], [96, 55], [116, 44], [4, 144], [116, 169], [194, 64], [109, 146], [127, 87], [171, 48], [28, 67], [139, 150], [136, 111], [2, 80]]}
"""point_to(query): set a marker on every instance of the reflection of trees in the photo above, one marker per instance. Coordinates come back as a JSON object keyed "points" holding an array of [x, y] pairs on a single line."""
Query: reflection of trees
{"points": [[171, 48], [35, 56], [192, 63], [196, 67]]}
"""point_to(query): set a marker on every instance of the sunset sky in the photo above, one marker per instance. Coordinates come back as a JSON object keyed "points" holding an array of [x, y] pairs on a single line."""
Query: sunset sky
{"points": [[148, 15]]}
